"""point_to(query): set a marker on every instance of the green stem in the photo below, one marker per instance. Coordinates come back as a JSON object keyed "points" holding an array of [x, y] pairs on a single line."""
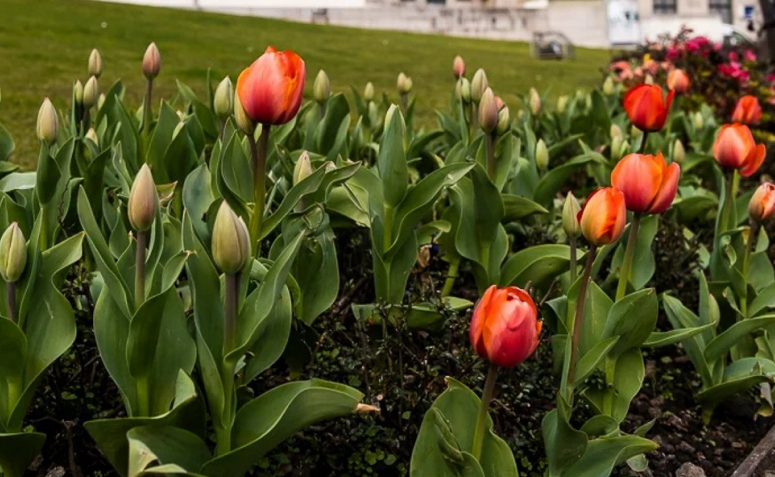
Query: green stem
{"points": [[223, 429], [573, 259], [142, 237], [580, 313], [10, 293], [729, 203], [451, 276], [624, 273], [147, 108], [643, 142], [481, 420], [404, 103], [754, 228], [258, 157], [608, 395], [489, 146], [143, 396]]}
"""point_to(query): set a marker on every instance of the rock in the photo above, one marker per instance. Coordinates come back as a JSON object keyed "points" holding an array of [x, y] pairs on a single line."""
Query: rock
{"points": [[689, 470], [686, 447]]}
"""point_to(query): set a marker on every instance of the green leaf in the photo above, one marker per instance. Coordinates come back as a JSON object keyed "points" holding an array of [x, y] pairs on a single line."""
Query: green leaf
{"points": [[164, 445], [551, 183], [518, 207], [604, 453], [592, 359], [7, 145], [309, 185], [537, 265], [658, 339], [632, 319], [428, 317], [564, 445], [13, 355], [391, 161], [681, 318], [18, 181], [18, 450], [721, 344]]}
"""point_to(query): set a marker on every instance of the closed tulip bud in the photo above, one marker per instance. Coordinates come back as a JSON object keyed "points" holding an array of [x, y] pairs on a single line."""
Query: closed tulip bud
{"points": [[303, 168], [747, 110], [458, 67], [679, 153], [616, 132], [91, 135], [504, 121], [91, 93], [603, 216], [151, 62], [143, 200], [223, 100], [646, 107], [534, 102], [505, 328], [95, 63], [678, 81], [735, 148], [404, 84], [465, 90], [368, 92], [562, 103], [699, 120], [616, 148], [488, 112], [230, 242], [244, 123], [608, 86], [321, 90], [479, 85], [13, 253], [542, 155], [101, 101], [762, 204], [48, 123], [570, 216], [271, 88], [649, 185], [78, 92]]}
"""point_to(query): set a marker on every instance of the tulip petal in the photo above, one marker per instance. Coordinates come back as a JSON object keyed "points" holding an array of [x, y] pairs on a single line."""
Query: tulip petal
{"points": [[270, 89], [638, 176], [476, 331], [667, 190], [754, 160]]}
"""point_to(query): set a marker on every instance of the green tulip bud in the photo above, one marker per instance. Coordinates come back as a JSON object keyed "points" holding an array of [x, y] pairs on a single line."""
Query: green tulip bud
{"points": [[78, 92], [404, 84], [616, 147], [230, 241], [143, 200], [464, 87], [562, 103], [608, 86], [303, 168], [679, 153], [368, 92], [479, 85], [570, 214], [542, 155], [322, 87], [534, 102], [616, 131], [91, 134], [504, 121], [580, 95], [101, 101], [95, 63], [699, 120], [635, 133], [488, 112], [48, 123], [222, 101], [13, 253], [91, 93], [151, 62], [390, 112], [244, 123]]}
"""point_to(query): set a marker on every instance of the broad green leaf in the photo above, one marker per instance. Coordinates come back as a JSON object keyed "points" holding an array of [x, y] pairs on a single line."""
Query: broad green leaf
{"points": [[391, 160], [564, 445], [165, 445], [632, 319], [18, 450], [537, 265], [13, 355], [517, 207], [604, 453], [682, 318], [588, 363], [553, 180], [437, 451], [308, 186], [428, 317], [719, 346], [18, 181]]}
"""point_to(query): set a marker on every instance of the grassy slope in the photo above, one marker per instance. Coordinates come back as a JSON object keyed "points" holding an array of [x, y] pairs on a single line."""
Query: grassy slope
{"points": [[44, 45]]}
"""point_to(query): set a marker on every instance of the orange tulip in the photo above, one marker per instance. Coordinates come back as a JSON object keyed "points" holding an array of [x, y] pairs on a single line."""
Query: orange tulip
{"points": [[647, 182], [505, 327], [735, 148], [603, 217], [646, 107], [762, 205], [747, 111], [458, 67], [678, 81], [271, 88]]}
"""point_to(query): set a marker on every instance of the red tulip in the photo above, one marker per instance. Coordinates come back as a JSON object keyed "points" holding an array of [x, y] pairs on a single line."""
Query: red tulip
{"points": [[747, 111], [678, 81], [646, 107], [458, 67], [271, 88], [603, 217], [647, 182], [505, 327], [735, 148], [762, 204]]}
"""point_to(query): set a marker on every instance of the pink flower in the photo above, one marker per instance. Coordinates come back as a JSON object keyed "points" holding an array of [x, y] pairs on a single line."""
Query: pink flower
{"points": [[732, 56], [771, 78], [749, 55]]}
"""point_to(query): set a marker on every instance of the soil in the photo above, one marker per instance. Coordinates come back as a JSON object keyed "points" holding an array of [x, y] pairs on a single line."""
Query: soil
{"points": [[767, 466]]}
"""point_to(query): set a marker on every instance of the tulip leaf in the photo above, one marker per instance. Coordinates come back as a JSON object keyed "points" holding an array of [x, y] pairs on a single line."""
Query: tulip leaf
{"points": [[7, 145], [18, 181], [553, 181], [429, 317], [391, 161], [517, 207], [13, 355], [197, 198], [151, 447], [632, 319], [564, 445], [327, 135], [307, 186], [659, 339], [765, 299], [588, 363], [643, 264], [161, 137], [440, 450], [597, 309], [681, 318], [537, 265], [721, 344], [604, 453], [317, 258], [18, 450]]}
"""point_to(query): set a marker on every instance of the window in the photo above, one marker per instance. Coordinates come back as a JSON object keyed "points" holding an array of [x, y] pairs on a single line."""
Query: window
{"points": [[662, 7], [723, 8]]}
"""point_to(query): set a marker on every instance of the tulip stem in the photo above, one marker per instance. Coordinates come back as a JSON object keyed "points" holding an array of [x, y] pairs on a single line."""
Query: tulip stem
{"points": [[752, 231], [147, 108], [223, 429], [258, 157], [404, 103], [484, 406], [585, 278], [573, 260], [10, 291], [451, 276], [729, 203], [230, 312], [489, 148], [643, 142], [142, 237], [629, 254]]}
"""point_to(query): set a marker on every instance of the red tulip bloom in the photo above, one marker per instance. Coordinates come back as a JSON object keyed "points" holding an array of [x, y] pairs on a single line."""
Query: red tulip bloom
{"points": [[271, 88], [603, 217], [458, 67], [747, 111], [505, 326], [735, 148], [646, 107], [647, 182], [762, 205], [678, 81]]}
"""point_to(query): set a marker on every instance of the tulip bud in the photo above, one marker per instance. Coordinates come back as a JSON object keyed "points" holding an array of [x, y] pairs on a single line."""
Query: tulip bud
{"points": [[151, 62], [303, 168], [465, 90], [224, 95], [458, 67], [488, 112], [616, 148], [48, 123], [101, 101], [91, 134], [368, 92], [699, 120], [616, 132], [230, 242], [95, 63], [504, 121], [13, 253], [603, 216], [322, 87], [91, 93], [679, 154], [143, 200], [78, 92], [535, 102], [760, 208], [608, 86], [542, 155], [570, 216], [479, 85], [562, 103], [244, 123], [404, 84]]}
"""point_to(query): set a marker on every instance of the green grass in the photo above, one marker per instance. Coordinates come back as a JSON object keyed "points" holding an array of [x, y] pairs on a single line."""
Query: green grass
{"points": [[44, 47]]}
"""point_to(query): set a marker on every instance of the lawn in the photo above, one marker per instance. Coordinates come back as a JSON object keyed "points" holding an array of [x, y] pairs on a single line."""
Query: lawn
{"points": [[44, 46]]}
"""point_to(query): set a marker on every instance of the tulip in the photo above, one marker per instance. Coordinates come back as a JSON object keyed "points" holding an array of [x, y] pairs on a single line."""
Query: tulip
{"points": [[303, 168], [678, 81], [463, 87], [505, 327], [562, 103], [368, 92], [244, 123], [542, 155], [488, 112], [143, 200], [608, 86], [747, 110], [679, 153], [91, 93], [270, 89], [95, 63], [534, 102], [649, 185], [91, 135], [101, 101], [404, 84], [570, 216], [603, 216], [13, 253], [322, 87], [458, 67], [646, 107], [699, 120], [735, 148], [223, 100], [504, 121], [230, 242], [78, 92], [616, 132], [151, 62], [762, 204], [479, 85], [48, 123]]}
